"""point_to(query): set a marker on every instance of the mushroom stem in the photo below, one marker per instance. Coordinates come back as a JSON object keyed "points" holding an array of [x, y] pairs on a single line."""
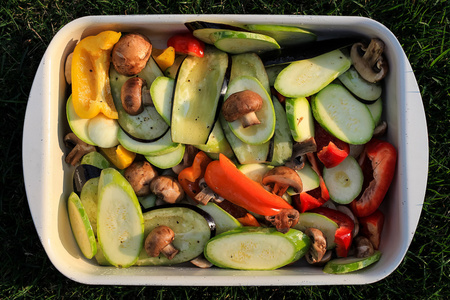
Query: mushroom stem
{"points": [[206, 194], [250, 119]]}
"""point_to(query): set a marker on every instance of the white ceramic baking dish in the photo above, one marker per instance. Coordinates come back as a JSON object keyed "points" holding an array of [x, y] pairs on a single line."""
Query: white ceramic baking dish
{"points": [[48, 177]]}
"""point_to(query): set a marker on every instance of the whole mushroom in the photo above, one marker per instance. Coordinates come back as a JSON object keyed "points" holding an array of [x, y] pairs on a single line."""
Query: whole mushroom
{"points": [[167, 188], [135, 95], [131, 53], [140, 174], [242, 106], [79, 148], [159, 240], [281, 178], [369, 61]]}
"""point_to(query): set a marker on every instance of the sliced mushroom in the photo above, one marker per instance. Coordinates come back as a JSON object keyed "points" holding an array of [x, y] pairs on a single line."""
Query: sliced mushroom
{"points": [[284, 220], [242, 106], [318, 245], [201, 262], [369, 61], [140, 174], [135, 96], [364, 247], [159, 240], [206, 194], [131, 53], [380, 130], [299, 151], [79, 148], [281, 178], [167, 188]]}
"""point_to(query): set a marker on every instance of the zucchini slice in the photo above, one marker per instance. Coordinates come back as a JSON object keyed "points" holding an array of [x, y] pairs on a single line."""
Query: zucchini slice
{"points": [[256, 248], [342, 115]]}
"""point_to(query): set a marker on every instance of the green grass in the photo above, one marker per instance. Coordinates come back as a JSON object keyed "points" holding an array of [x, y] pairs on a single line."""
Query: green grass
{"points": [[26, 29]]}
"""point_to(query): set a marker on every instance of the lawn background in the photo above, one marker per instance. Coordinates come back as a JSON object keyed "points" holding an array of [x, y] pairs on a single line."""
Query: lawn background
{"points": [[26, 29]]}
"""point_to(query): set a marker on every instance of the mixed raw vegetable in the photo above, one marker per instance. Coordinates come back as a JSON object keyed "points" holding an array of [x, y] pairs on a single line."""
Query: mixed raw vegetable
{"points": [[243, 147]]}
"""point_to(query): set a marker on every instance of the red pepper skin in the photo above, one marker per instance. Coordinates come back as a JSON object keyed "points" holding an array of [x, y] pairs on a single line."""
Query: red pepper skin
{"points": [[189, 177], [305, 201], [383, 158], [227, 181], [331, 150], [187, 44], [372, 227], [331, 155], [343, 237]]}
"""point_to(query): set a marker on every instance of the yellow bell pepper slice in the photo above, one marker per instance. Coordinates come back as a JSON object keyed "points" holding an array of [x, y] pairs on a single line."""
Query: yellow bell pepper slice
{"points": [[119, 156], [164, 57], [91, 92]]}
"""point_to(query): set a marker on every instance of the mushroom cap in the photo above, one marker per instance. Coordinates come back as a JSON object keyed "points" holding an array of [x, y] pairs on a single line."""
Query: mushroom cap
{"points": [[167, 188], [158, 239], [240, 104], [131, 95], [283, 176], [364, 247], [140, 174], [369, 61], [318, 247], [131, 53]]}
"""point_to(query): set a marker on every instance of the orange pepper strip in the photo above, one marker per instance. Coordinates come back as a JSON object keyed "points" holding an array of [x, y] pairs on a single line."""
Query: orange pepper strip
{"points": [[190, 176], [227, 181], [91, 92], [249, 220]]}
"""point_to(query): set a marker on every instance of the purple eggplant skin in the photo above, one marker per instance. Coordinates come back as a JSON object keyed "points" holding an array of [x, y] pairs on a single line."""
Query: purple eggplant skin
{"points": [[82, 174], [191, 26], [209, 219], [304, 51]]}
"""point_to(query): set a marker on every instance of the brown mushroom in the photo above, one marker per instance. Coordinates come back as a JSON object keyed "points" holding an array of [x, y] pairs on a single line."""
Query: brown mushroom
{"points": [[68, 68], [318, 245], [135, 96], [159, 240], [79, 148], [369, 61], [300, 149], [131, 53], [140, 174], [364, 247], [167, 188], [281, 178], [380, 130], [188, 159], [206, 194], [242, 106], [284, 220], [201, 262]]}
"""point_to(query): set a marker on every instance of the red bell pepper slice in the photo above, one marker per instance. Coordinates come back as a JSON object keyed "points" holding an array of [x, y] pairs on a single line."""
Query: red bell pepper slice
{"points": [[331, 150], [382, 157], [229, 182], [343, 236], [331, 155], [305, 201], [372, 226], [187, 44], [315, 166], [189, 177]]}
